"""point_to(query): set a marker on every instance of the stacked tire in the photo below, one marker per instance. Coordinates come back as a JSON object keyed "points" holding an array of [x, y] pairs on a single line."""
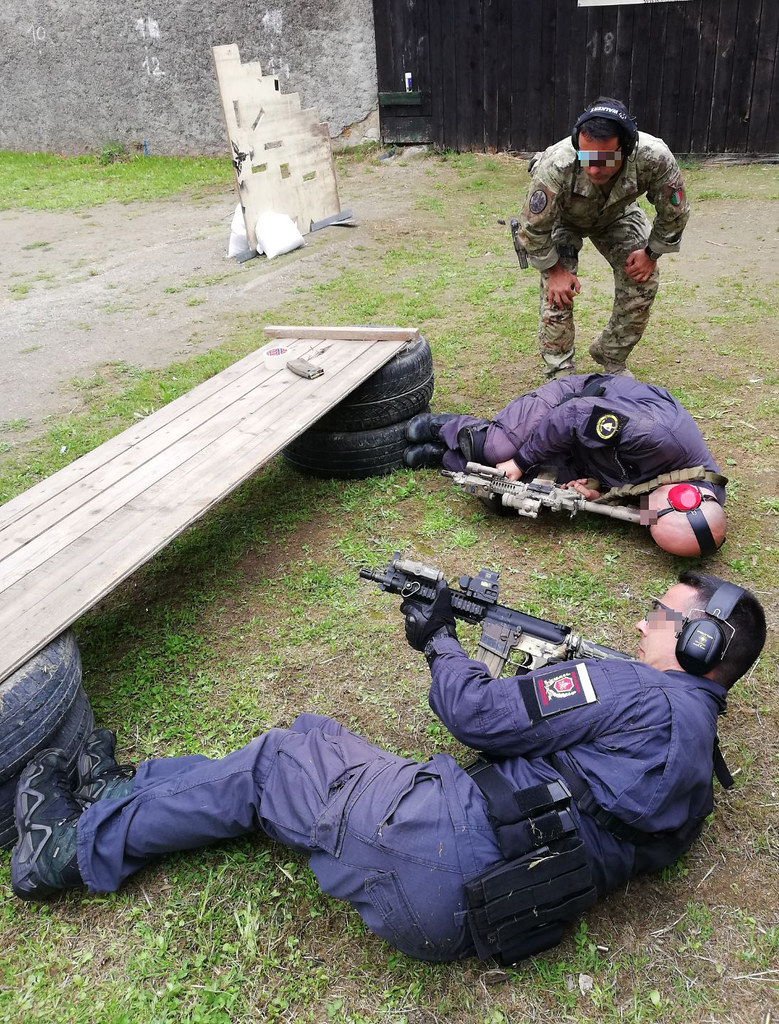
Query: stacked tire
{"points": [[43, 704], [365, 434]]}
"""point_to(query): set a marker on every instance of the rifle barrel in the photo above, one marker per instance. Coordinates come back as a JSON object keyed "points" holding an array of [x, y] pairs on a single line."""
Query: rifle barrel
{"points": [[629, 515]]}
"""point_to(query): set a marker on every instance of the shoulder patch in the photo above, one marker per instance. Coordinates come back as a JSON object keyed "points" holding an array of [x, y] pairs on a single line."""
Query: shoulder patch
{"points": [[674, 192], [605, 426], [537, 202], [549, 693]]}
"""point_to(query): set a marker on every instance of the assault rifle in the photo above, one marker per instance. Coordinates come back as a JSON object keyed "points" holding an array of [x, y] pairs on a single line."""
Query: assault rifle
{"points": [[504, 630], [526, 497]]}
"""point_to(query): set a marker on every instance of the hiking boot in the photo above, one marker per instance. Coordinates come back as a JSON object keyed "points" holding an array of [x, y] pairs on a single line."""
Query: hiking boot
{"points": [[424, 456], [615, 369], [47, 812], [561, 371], [99, 776], [426, 426], [597, 353]]}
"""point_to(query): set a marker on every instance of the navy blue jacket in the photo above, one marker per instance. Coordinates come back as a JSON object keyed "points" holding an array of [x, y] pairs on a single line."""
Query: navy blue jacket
{"points": [[630, 434], [644, 744]]}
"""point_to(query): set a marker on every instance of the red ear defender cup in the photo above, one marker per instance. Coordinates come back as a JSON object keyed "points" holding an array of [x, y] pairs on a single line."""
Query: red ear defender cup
{"points": [[688, 499], [684, 497]]}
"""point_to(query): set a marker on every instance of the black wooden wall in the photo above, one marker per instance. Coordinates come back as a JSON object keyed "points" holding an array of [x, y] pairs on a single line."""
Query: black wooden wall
{"points": [[514, 74]]}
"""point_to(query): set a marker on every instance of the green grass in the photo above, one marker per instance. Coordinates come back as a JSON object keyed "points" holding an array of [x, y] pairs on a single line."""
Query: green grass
{"points": [[257, 613], [754, 182], [45, 181]]}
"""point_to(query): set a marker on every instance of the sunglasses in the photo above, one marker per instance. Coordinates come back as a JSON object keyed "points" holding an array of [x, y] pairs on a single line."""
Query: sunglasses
{"points": [[659, 612], [597, 158]]}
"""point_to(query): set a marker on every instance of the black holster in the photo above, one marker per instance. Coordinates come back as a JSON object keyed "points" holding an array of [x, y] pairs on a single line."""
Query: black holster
{"points": [[523, 904], [471, 440]]}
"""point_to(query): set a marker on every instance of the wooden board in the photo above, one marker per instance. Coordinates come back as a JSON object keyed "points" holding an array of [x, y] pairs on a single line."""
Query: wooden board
{"points": [[68, 541], [345, 333], [281, 155]]}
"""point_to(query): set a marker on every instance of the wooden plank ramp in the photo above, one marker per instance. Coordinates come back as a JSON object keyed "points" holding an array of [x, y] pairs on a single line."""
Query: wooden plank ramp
{"points": [[68, 541]]}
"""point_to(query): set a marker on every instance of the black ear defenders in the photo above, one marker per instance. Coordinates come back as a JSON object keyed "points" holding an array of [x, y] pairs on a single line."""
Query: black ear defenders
{"points": [[702, 643], [688, 499], [612, 111]]}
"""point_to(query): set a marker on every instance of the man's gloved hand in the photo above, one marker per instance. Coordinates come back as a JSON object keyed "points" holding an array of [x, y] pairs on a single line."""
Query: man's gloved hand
{"points": [[424, 620]]}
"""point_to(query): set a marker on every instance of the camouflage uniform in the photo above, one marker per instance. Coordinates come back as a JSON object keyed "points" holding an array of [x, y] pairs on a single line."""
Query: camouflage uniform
{"points": [[563, 207]]}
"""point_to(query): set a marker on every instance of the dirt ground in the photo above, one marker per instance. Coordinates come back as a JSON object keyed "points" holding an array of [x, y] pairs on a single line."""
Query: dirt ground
{"points": [[148, 283]]}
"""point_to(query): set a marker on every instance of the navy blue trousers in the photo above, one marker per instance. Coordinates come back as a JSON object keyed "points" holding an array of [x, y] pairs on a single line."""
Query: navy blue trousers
{"points": [[497, 446], [395, 838], [500, 445]]}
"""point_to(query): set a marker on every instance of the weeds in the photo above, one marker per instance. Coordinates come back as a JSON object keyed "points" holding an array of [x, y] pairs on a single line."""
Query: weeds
{"points": [[111, 153]]}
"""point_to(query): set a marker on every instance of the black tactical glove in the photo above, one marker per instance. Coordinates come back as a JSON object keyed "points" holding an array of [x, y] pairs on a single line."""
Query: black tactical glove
{"points": [[424, 620]]}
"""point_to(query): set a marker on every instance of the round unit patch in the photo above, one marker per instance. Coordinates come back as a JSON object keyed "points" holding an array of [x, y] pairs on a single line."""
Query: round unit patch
{"points": [[538, 201], [607, 426]]}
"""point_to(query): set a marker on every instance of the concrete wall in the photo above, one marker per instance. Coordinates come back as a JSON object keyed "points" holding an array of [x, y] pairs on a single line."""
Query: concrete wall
{"points": [[75, 76]]}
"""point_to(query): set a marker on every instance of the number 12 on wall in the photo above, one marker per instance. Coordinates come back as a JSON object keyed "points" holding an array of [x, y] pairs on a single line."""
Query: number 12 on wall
{"points": [[152, 65]]}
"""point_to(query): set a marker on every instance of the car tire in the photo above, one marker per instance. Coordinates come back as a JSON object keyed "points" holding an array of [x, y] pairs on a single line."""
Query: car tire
{"points": [[348, 454], [397, 391], [42, 704]]}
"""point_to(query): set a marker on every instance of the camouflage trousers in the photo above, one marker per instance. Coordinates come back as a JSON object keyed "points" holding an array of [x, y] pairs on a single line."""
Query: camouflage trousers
{"points": [[632, 301]]}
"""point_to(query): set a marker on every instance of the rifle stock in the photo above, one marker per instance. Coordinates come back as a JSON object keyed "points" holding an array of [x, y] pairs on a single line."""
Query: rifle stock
{"points": [[504, 629], [526, 498]]}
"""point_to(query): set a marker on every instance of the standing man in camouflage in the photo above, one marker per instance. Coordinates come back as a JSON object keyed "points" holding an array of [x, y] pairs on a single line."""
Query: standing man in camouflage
{"points": [[588, 186]]}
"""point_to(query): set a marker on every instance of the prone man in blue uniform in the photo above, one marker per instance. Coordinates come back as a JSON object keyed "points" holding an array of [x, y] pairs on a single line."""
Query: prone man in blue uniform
{"points": [[600, 432], [590, 773]]}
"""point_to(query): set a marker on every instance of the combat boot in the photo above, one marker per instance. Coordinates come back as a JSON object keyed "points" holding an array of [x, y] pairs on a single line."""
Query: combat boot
{"points": [[424, 456], [562, 371], [99, 776], [47, 812], [615, 369], [426, 426]]}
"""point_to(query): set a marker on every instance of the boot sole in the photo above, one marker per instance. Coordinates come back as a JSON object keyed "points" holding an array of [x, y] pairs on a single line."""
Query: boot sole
{"points": [[24, 881]]}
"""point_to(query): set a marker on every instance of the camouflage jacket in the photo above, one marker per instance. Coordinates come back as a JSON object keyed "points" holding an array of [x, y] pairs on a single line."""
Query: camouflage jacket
{"points": [[561, 194]]}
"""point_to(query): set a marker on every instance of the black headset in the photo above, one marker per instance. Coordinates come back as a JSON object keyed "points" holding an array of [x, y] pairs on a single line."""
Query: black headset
{"points": [[702, 643], [615, 111], [689, 499]]}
